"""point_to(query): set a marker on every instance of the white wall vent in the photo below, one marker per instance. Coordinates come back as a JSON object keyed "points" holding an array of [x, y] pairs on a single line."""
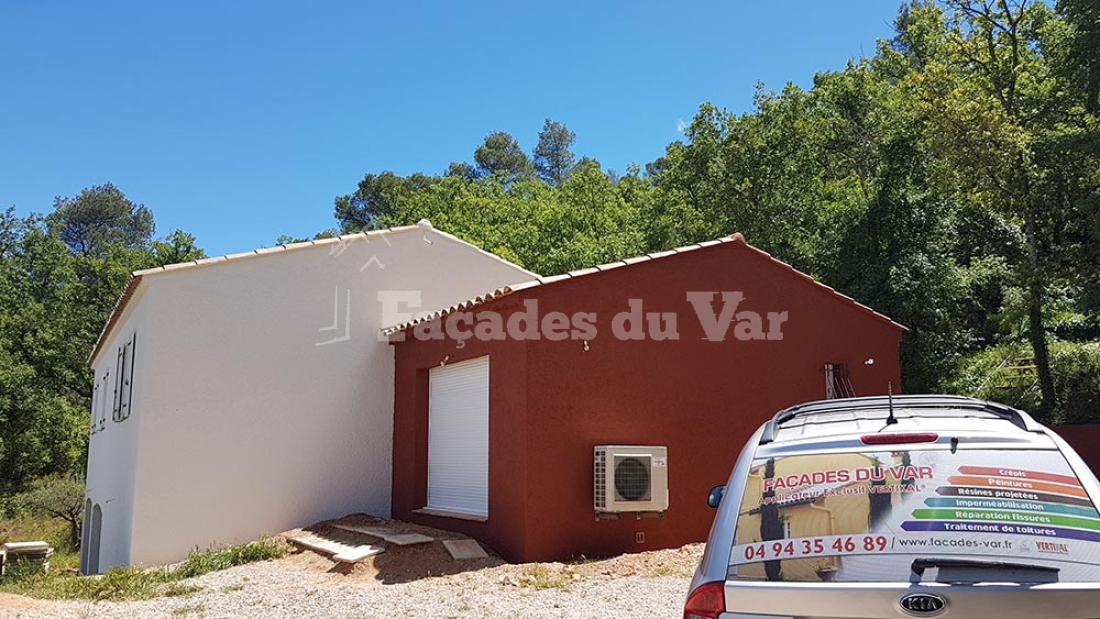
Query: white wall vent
{"points": [[631, 478]]}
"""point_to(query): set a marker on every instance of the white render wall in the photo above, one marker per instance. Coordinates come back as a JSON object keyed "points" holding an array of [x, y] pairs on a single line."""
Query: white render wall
{"points": [[112, 451], [248, 426]]}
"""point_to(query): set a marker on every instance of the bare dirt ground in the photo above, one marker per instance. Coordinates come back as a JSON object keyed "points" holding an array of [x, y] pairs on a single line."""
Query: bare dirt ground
{"points": [[406, 581], [18, 604]]}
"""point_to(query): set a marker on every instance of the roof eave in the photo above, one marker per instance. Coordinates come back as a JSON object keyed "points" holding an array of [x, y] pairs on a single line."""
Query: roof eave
{"points": [[737, 238], [137, 276], [116, 315]]}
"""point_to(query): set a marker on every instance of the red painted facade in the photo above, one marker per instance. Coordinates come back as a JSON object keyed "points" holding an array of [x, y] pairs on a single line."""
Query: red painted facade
{"points": [[1085, 440], [550, 402]]}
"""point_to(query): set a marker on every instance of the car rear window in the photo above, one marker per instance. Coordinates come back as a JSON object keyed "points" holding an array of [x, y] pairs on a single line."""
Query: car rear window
{"points": [[866, 516]]}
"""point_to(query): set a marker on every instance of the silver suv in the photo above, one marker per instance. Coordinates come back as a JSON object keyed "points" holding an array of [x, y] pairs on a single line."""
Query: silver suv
{"points": [[911, 506]]}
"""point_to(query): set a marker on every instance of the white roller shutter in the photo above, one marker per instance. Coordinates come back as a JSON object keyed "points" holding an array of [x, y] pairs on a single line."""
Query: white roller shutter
{"points": [[458, 438]]}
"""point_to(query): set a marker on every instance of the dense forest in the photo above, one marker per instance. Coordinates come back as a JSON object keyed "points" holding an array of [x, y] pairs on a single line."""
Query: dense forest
{"points": [[951, 181]]}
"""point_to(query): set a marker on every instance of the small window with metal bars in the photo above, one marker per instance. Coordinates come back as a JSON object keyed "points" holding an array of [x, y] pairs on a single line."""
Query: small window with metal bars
{"points": [[838, 383]]}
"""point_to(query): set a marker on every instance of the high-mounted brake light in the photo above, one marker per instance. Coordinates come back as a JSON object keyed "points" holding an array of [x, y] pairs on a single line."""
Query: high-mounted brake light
{"points": [[706, 602], [900, 437]]}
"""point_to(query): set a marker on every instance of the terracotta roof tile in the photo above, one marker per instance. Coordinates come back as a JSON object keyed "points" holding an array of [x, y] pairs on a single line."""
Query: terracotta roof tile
{"points": [[544, 281]]}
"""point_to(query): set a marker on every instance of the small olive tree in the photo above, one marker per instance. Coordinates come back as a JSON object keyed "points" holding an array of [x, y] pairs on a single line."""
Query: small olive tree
{"points": [[58, 496]]}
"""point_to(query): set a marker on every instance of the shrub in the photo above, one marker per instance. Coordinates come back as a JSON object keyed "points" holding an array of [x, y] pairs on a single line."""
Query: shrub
{"points": [[1076, 370], [199, 563], [135, 583], [1077, 381], [118, 584], [57, 496]]}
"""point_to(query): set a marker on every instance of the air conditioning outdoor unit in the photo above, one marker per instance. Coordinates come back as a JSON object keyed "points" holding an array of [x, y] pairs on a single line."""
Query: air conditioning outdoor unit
{"points": [[631, 478]]}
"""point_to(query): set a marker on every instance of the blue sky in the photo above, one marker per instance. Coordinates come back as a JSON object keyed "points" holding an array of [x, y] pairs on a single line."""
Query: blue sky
{"points": [[241, 121]]}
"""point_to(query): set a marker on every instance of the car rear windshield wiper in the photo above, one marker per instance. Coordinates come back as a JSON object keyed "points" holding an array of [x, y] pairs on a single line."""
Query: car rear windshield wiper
{"points": [[973, 570]]}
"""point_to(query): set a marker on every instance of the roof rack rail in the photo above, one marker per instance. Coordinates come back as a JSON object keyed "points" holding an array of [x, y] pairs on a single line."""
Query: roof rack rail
{"points": [[1018, 418]]}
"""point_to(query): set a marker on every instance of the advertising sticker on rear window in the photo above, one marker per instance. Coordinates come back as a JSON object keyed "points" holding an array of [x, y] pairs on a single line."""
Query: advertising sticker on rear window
{"points": [[864, 516]]}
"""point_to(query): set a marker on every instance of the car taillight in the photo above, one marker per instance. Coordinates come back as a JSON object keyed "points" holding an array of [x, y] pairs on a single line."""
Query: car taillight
{"points": [[900, 437], [706, 602]]}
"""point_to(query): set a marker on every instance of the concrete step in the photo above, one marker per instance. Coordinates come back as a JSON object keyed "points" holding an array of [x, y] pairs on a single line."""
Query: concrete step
{"points": [[323, 546], [400, 539], [337, 551], [24, 547], [463, 549], [357, 554]]}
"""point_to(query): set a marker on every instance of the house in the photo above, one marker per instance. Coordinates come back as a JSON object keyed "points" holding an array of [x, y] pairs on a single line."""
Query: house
{"points": [[248, 394], [843, 507], [500, 401]]}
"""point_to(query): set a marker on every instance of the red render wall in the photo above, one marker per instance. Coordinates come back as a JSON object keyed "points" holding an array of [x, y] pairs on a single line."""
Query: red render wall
{"points": [[1085, 440], [701, 399], [551, 402], [505, 530]]}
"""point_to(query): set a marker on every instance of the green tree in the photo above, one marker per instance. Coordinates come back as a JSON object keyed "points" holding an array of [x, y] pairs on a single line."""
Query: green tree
{"points": [[500, 153], [58, 496], [99, 217], [461, 169], [175, 248], [1082, 57], [375, 197], [553, 155], [55, 296], [44, 334], [991, 102]]}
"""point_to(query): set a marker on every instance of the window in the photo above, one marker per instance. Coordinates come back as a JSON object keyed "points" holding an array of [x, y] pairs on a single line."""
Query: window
{"points": [[95, 406], [866, 516], [102, 416], [837, 382], [120, 362], [124, 382]]}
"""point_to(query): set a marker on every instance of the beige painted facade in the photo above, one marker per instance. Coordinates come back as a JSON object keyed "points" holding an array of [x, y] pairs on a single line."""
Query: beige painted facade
{"points": [[262, 396]]}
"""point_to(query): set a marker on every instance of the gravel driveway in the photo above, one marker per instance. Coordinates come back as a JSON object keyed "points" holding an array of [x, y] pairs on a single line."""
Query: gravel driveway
{"points": [[305, 585]]}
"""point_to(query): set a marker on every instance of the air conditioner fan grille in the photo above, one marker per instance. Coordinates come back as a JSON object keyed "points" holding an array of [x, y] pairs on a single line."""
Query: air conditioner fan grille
{"points": [[632, 478]]}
